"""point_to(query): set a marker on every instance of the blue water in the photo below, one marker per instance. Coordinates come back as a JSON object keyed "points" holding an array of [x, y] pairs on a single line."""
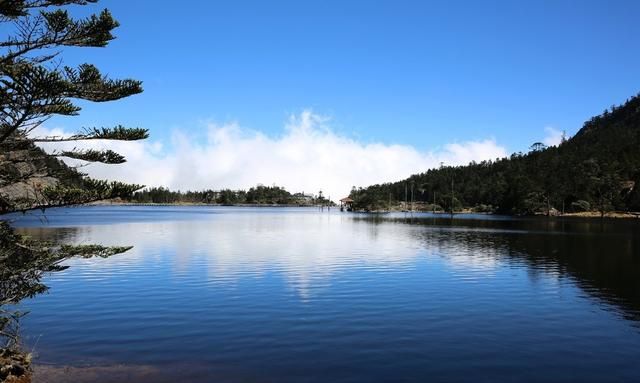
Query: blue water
{"points": [[298, 295]]}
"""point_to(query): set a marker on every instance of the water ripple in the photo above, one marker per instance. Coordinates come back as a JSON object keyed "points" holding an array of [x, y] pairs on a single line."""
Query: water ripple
{"points": [[297, 295]]}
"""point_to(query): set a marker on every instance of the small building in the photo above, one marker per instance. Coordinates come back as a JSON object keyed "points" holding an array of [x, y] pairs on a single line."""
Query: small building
{"points": [[346, 203]]}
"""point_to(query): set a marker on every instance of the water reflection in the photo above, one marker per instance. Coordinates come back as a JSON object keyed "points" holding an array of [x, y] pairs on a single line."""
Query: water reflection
{"points": [[308, 253], [22, 266], [279, 295], [602, 257]]}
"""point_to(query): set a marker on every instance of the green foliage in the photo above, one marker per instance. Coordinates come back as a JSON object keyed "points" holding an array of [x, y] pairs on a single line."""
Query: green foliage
{"points": [[90, 190], [23, 263], [35, 86], [90, 155], [591, 167], [258, 195], [370, 199], [119, 133], [91, 251], [231, 197], [580, 205], [481, 208], [268, 195], [15, 8], [632, 197]]}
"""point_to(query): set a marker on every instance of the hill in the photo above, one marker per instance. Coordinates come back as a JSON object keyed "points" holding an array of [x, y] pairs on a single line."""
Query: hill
{"points": [[596, 170]]}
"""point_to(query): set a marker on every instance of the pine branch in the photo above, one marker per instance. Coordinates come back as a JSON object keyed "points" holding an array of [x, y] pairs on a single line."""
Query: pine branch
{"points": [[11, 9], [61, 30], [87, 83], [90, 155], [119, 133], [90, 251]]}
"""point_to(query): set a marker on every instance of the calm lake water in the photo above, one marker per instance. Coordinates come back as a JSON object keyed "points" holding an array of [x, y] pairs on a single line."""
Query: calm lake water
{"points": [[298, 295]]}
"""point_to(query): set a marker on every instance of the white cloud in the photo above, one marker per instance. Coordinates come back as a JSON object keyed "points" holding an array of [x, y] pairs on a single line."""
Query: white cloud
{"points": [[308, 263], [553, 136], [307, 157]]}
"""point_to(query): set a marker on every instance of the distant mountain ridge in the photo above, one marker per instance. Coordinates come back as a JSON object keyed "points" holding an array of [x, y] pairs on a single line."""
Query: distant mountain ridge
{"points": [[596, 170]]}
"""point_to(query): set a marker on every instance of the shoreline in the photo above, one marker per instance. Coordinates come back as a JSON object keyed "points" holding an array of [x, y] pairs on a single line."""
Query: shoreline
{"points": [[590, 214], [613, 214], [123, 203]]}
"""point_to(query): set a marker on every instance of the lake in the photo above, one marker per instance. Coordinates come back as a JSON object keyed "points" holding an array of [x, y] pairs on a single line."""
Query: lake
{"points": [[300, 295]]}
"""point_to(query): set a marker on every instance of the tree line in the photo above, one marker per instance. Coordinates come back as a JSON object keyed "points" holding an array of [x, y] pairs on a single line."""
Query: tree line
{"points": [[258, 195], [596, 170]]}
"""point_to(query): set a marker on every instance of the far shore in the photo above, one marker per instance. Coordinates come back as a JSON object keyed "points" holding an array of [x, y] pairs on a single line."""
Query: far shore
{"points": [[586, 214], [126, 203], [595, 214]]}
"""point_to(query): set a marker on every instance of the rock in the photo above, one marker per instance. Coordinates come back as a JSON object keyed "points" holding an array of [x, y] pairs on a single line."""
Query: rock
{"points": [[14, 368]]}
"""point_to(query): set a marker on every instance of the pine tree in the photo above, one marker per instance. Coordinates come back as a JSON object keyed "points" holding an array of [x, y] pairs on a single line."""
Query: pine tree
{"points": [[35, 86]]}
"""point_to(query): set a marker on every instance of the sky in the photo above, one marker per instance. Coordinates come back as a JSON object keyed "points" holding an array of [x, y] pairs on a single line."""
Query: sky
{"points": [[315, 95]]}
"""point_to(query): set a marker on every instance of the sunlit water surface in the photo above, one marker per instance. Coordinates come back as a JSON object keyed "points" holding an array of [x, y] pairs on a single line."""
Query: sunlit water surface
{"points": [[299, 295]]}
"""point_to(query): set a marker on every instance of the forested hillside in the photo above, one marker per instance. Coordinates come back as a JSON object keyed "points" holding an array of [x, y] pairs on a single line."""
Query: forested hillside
{"points": [[596, 170], [258, 195]]}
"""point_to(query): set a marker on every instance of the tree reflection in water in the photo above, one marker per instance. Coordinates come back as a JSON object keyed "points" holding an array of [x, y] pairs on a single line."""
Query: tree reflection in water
{"points": [[23, 263], [601, 257]]}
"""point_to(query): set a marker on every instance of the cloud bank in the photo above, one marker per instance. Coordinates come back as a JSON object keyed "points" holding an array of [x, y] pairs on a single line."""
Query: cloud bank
{"points": [[308, 157]]}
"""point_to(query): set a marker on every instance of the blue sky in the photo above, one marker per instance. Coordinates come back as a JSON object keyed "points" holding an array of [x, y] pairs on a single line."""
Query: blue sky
{"points": [[418, 73]]}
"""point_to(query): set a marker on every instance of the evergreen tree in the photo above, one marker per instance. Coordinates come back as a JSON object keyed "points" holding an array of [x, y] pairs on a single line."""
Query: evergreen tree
{"points": [[35, 86], [597, 169]]}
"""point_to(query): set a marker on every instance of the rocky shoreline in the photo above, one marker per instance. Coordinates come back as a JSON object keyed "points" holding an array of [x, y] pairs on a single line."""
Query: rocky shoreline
{"points": [[15, 367]]}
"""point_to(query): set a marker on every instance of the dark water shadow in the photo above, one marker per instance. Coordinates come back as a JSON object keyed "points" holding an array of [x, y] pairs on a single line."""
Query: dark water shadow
{"points": [[601, 256]]}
